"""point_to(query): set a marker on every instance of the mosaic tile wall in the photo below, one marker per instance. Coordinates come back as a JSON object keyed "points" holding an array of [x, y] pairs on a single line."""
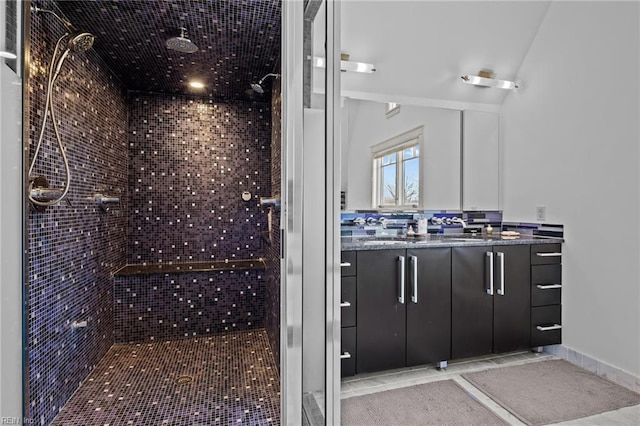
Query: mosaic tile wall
{"points": [[73, 249], [190, 160], [272, 291], [173, 306]]}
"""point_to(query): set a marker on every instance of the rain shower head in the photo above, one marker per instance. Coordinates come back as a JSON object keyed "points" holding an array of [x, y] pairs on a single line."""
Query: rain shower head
{"points": [[257, 87], [182, 43]]}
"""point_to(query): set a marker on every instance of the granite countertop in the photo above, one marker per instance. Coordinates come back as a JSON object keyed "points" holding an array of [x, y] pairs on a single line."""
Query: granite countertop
{"points": [[439, 240]]}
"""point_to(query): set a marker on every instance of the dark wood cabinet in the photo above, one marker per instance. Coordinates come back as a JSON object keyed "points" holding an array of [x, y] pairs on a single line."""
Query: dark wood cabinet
{"points": [[404, 308], [490, 300], [381, 313], [428, 306], [348, 306], [471, 305], [511, 319], [546, 294]]}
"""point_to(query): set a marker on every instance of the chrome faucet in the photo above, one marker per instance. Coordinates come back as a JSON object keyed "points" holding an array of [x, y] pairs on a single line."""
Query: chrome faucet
{"points": [[460, 221]]}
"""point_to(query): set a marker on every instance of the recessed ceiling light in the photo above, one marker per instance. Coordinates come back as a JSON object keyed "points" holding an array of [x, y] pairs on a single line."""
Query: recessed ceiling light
{"points": [[196, 84]]}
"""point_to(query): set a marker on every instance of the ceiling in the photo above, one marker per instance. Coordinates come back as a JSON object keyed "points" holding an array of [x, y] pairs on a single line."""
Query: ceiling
{"points": [[420, 49], [238, 42]]}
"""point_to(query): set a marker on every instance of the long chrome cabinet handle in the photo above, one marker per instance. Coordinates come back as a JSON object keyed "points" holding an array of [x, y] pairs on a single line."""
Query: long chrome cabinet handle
{"points": [[501, 259], [490, 269], [345, 304], [549, 328], [401, 279], [549, 286], [345, 355], [344, 264], [548, 254], [413, 261]]}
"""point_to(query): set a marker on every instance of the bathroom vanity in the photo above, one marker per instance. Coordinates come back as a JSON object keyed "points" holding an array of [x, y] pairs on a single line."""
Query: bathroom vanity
{"points": [[408, 302]]}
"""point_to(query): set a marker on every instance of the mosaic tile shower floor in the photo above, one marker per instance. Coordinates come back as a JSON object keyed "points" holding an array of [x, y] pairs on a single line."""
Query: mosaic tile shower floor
{"points": [[234, 381]]}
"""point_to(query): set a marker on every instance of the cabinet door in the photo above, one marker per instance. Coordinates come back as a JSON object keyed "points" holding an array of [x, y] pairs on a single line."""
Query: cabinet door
{"points": [[381, 334], [512, 298], [471, 305], [428, 305]]}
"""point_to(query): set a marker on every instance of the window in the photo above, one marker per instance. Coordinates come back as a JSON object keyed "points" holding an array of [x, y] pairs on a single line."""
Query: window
{"points": [[396, 171]]}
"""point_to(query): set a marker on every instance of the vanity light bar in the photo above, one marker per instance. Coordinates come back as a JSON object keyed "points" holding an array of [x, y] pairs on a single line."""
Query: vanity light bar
{"points": [[489, 82], [346, 65], [8, 55]]}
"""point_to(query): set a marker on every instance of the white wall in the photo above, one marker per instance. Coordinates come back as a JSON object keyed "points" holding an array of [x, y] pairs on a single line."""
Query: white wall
{"points": [[10, 241], [481, 161], [367, 126], [571, 143]]}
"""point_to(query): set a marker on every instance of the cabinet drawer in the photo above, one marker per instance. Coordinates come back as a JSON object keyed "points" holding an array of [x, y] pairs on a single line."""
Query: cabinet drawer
{"points": [[546, 323], [546, 282], [348, 295], [546, 254], [348, 351], [348, 259]]}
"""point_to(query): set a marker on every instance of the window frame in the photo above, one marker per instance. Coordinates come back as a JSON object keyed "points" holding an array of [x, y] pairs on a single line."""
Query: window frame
{"points": [[397, 144]]}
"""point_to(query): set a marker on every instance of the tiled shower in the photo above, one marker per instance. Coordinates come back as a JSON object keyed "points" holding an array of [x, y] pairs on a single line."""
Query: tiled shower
{"points": [[178, 165]]}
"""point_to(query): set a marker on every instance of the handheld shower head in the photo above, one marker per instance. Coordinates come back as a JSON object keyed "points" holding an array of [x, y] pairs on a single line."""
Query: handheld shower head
{"points": [[257, 87], [80, 41]]}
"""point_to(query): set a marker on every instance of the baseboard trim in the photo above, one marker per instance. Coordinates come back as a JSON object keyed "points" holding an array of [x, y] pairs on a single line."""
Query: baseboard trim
{"points": [[600, 368]]}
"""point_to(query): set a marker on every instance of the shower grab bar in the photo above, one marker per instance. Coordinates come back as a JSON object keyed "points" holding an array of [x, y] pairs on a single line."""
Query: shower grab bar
{"points": [[46, 194], [270, 201], [104, 201]]}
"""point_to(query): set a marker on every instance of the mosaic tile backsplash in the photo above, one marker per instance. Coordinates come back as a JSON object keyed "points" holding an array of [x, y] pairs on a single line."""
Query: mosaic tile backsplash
{"points": [[73, 248]]}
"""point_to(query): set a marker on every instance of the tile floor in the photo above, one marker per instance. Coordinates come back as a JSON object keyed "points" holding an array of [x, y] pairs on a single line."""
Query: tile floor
{"points": [[363, 384], [223, 379]]}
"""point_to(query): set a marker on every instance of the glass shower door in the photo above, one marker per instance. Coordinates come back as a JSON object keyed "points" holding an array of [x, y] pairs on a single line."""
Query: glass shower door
{"points": [[311, 276]]}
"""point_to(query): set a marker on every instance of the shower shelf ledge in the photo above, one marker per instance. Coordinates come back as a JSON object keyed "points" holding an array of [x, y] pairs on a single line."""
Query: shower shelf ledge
{"points": [[177, 268]]}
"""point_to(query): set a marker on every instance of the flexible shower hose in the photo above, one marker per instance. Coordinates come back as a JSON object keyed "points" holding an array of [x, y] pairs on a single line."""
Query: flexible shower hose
{"points": [[48, 109]]}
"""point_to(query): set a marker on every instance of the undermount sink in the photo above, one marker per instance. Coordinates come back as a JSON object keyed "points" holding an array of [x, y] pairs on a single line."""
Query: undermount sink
{"points": [[382, 242]]}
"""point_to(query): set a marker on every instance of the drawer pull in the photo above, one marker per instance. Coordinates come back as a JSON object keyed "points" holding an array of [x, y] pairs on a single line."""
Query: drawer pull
{"points": [[345, 264], [489, 260], [345, 304], [549, 286], [549, 328], [413, 260], [501, 259], [345, 355], [548, 254], [401, 279]]}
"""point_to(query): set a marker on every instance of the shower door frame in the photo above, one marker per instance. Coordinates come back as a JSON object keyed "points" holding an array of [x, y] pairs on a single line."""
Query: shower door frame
{"points": [[293, 207]]}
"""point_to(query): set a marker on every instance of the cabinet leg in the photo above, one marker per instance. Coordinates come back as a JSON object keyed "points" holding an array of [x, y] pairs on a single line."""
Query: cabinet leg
{"points": [[537, 349], [442, 365]]}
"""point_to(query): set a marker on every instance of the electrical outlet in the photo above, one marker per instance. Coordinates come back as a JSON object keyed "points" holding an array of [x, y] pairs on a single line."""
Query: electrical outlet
{"points": [[541, 213]]}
